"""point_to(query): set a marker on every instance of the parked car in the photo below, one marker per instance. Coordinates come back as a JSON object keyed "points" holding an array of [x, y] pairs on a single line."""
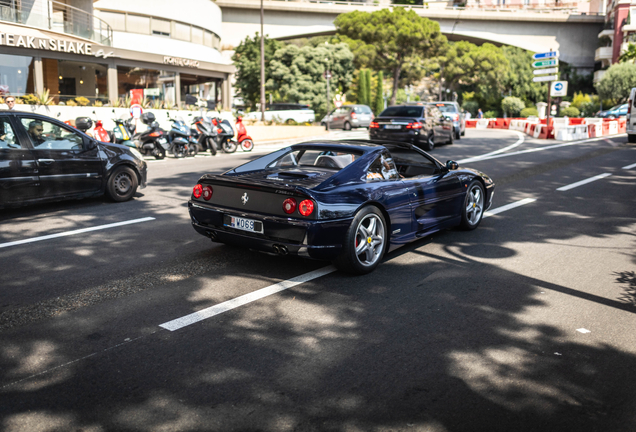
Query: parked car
{"points": [[614, 112], [43, 159], [348, 116], [631, 118], [285, 113], [348, 202], [453, 112], [421, 125]]}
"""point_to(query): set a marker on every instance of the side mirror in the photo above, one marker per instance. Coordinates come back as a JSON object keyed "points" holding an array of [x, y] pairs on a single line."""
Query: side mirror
{"points": [[90, 144], [451, 165]]}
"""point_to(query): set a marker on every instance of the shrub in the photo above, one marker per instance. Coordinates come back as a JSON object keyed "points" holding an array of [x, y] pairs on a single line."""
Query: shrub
{"points": [[527, 112], [579, 99], [471, 107], [588, 109], [569, 112], [98, 103], [71, 102], [491, 114], [29, 99], [82, 101], [512, 105]]}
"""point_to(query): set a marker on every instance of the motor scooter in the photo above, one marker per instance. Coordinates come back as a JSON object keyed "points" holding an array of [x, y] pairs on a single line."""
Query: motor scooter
{"points": [[123, 132], [224, 136], [244, 140], [101, 134], [152, 141], [180, 140], [205, 133]]}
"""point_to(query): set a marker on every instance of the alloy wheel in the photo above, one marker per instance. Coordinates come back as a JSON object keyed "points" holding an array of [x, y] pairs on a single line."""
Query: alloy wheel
{"points": [[475, 204], [369, 239]]}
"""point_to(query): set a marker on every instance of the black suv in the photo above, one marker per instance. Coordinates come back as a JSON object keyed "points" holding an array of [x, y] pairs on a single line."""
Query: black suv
{"points": [[421, 125], [43, 159]]}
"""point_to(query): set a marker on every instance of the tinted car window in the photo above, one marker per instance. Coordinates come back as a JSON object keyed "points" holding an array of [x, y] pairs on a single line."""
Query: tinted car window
{"points": [[47, 135], [446, 108], [411, 163], [402, 111], [382, 169], [362, 110], [317, 158], [8, 140]]}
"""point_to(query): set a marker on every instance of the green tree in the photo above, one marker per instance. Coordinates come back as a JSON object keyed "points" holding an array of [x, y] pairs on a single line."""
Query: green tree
{"points": [[378, 103], [517, 79], [629, 55], [362, 88], [512, 105], [367, 87], [387, 40], [297, 73], [617, 82], [247, 59]]}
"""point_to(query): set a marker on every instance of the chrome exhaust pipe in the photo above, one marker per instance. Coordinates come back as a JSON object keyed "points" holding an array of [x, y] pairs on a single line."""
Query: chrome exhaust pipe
{"points": [[282, 250], [275, 247]]}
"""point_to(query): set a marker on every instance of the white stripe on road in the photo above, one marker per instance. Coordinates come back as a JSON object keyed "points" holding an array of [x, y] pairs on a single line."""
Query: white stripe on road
{"points": [[510, 147], [244, 299], [629, 166], [74, 232], [582, 182], [509, 206]]}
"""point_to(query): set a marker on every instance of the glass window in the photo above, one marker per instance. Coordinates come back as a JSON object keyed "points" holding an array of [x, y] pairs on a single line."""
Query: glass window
{"points": [[8, 139], [197, 35], [315, 158], [47, 135], [160, 27], [411, 163], [446, 108], [138, 24], [16, 75], [181, 31], [382, 169], [402, 111], [67, 80], [208, 39]]}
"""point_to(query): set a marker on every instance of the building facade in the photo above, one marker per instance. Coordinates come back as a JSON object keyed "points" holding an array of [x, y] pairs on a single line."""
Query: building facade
{"points": [[110, 50], [617, 34]]}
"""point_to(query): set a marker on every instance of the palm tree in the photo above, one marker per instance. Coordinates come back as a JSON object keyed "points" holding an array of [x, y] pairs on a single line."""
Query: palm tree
{"points": [[629, 55]]}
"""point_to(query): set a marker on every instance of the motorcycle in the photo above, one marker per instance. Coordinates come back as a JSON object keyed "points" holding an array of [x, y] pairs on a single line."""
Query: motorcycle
{"points": [[244, 140], [180, 140], [101, 133], [123, 132], [153, 140], [204, 133], [224, 136]]}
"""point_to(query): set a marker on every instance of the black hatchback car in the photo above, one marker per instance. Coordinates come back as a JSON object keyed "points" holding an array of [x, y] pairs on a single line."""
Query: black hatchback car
{"points": [[43, 159], [421, 125]]}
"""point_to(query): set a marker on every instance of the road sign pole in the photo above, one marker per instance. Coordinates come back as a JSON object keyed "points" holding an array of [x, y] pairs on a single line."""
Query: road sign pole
{"points": [[547, 121]]}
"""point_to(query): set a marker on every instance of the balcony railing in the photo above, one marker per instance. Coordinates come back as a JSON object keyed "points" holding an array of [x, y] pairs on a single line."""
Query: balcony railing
{"points": [[598, 75], [603, 53], [52, 15]]}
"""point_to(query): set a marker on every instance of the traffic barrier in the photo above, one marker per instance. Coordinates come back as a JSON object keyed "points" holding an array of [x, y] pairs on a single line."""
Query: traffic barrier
{"points": [[562, 128], [622, 125], [569, 133], [613, 127], [471, 123], [482, 123]]}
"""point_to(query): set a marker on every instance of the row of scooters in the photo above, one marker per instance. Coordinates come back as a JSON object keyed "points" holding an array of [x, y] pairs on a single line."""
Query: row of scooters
{"points": [[205, 134]]}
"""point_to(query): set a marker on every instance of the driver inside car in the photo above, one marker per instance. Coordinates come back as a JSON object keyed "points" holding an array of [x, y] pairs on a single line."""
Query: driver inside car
{"points": [[35, 132]]}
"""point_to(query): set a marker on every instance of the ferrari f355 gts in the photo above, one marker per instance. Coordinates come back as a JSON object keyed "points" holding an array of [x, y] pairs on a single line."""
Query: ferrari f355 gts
{"points": [[349, 202]]}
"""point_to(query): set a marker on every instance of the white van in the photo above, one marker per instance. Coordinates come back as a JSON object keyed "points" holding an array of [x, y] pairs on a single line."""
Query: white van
{"points": [[631, 116]]}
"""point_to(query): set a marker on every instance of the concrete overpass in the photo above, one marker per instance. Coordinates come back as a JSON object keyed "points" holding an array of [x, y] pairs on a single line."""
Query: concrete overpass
{"points": [[575, 36]]}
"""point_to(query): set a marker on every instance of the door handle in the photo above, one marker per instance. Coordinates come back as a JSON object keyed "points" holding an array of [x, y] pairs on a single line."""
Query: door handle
{"points": [[46, 161]]}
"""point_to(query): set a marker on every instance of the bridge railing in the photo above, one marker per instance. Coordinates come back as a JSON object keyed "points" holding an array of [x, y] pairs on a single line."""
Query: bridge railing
{"points": [[448, 5]]}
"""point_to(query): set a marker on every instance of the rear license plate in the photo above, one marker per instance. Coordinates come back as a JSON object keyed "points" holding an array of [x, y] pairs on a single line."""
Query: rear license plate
{"points": [[392, 127], [243, 224]]}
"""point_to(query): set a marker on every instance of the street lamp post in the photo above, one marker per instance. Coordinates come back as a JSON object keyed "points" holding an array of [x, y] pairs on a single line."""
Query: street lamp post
{"points": [[327, 77], [262, 65]]}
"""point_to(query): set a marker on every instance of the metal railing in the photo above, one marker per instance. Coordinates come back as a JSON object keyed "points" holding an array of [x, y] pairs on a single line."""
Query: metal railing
{"points": [[56, 16], [449, 5]]}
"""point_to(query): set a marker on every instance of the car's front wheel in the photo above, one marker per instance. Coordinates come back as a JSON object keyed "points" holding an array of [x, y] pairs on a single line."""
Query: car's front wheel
{"points": [[473, 210], [347, 126], [122, 184], [365, 242]]}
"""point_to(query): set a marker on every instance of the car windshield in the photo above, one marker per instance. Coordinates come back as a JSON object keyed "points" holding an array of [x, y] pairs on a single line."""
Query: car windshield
{"points": [[402, 111], [315, 158], [446, 108]]}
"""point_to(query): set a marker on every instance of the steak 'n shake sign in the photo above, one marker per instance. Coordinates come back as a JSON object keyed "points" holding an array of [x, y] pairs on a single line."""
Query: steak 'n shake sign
{"points": [[59, 45]]}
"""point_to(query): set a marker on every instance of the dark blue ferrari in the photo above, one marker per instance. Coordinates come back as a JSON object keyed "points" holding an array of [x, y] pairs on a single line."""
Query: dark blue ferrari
{"points": [[345, 201]]}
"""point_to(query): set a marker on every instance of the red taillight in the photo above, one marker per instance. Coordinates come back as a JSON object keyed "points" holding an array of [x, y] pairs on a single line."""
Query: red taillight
{"points": [[155, 134], [354, 115], [219, 131], [207, 193], [306, 207], [374, 125], [289, 205], [416, 125], [197, 191]]}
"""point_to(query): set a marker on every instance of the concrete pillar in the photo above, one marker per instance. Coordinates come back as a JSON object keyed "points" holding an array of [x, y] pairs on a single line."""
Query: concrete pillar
{"points": [[226, 94], [38, 71], [541, 107], [177, 89], [113, 92]]}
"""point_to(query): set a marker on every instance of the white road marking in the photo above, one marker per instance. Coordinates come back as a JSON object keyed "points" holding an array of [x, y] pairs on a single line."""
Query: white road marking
{"points": [[582, 182], [583, 330], [630, 166], [195, 317], [509, 206], [510, 147], [74, 232]]}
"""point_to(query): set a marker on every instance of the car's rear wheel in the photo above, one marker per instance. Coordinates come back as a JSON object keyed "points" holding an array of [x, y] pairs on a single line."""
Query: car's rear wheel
{"points": [[365, 242], [473, 210], [452, 135], [347, 126], [430, 142], [122, 184], [458, 134]]}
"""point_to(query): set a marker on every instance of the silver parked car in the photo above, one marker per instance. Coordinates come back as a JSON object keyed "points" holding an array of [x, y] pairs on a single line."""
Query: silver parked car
{"points": [[452, 111], [348, 116]]}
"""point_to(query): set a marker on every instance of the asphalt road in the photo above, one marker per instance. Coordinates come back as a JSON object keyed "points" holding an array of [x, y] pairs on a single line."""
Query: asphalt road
{"points": [[525, 324]]}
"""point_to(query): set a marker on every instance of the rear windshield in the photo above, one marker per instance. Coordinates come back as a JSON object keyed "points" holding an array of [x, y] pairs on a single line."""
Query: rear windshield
{"points": [[314, 158], [362, 110], [446, 108], [402, 111]]}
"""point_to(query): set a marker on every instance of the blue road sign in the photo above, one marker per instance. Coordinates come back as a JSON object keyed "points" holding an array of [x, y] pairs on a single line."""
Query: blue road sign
{"points": [[546, 55], [558, 86]]}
